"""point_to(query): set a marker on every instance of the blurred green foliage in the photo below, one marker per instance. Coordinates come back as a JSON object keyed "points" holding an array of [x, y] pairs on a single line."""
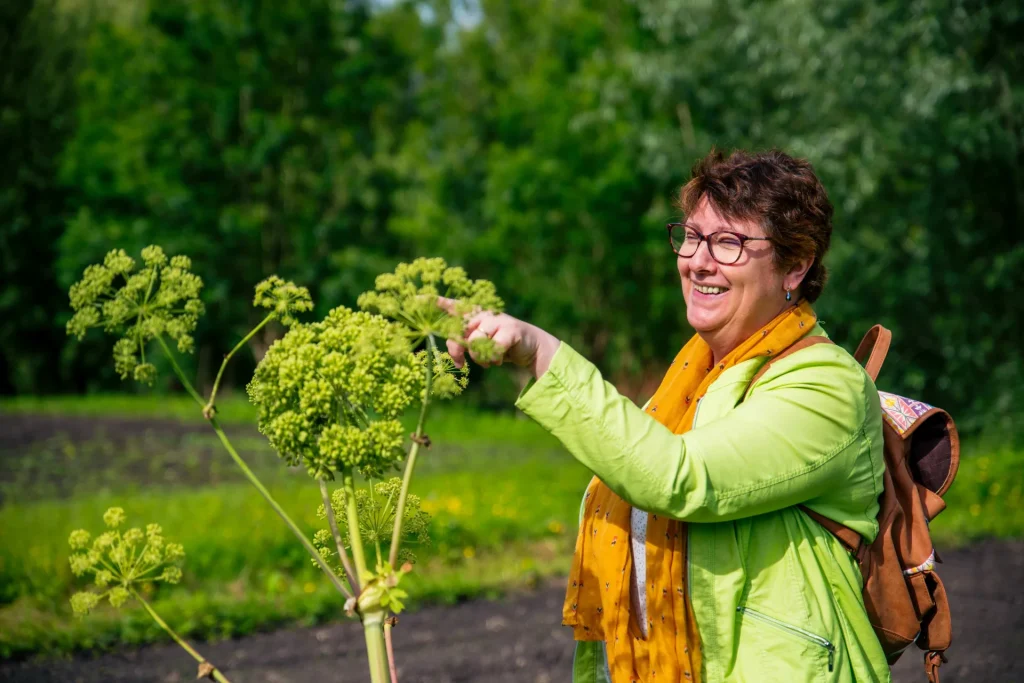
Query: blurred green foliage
{"points": [[538, 143]]}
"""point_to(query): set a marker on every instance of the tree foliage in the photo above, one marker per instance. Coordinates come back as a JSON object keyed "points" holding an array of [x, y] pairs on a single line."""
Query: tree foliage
{"points": [[541, 143]]}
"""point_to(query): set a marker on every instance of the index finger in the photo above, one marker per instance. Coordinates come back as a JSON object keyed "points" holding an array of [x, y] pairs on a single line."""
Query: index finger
{"points": [[447, 305], [451, 306]]}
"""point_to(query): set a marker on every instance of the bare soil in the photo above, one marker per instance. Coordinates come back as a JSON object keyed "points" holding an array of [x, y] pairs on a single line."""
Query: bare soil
{"points": [[520, 639]]}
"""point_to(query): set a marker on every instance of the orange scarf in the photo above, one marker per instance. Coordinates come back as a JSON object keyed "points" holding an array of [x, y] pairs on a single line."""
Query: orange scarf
{"points": [[597, 601]]}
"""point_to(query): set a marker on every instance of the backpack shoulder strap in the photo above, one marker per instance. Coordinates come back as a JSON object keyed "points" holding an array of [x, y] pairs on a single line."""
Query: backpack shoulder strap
{"points": [[851, 540], [874, 347]]}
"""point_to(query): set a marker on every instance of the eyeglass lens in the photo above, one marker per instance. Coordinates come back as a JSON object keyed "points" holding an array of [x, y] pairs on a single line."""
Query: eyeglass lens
{"points": [[725, 248]]}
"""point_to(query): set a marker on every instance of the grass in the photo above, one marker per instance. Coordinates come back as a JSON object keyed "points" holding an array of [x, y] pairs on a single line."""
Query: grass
{"points": [[504, 498], [232, 408], [448, 422], [244, 571]]}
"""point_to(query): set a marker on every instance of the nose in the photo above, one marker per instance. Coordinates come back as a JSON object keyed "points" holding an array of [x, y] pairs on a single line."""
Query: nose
{"points": [[701, 260]]}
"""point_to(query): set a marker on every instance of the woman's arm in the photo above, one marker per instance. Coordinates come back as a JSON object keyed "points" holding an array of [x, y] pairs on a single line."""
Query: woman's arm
{"points": [[795, 439]]}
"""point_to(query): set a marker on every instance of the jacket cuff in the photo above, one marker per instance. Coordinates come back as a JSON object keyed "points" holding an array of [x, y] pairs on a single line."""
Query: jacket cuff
{"points": [[544, 398]]}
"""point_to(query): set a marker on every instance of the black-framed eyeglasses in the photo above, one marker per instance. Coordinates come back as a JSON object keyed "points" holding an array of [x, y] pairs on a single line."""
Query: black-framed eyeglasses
{"points": [[724, 246]]}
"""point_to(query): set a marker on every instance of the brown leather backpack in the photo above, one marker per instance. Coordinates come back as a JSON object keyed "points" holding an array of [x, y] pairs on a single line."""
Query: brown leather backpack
{"points": [[904, 596]]}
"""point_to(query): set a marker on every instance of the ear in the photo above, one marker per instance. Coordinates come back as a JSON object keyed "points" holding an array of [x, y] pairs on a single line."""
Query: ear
{"points": [[794, 277]]}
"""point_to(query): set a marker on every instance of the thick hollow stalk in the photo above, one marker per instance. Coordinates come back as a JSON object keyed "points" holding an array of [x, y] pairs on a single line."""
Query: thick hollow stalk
{"points": [[375, 649], [373, 621], [209, 407], [350, 574], [217, 675], [251, 476], [410, 463]]}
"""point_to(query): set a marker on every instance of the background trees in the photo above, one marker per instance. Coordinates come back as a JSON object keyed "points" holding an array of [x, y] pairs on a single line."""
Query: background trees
{"points": [[536, 142]]}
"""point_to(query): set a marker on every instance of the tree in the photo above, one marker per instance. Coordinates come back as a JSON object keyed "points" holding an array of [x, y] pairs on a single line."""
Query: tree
{"points": [[254, 135], [38, 50]]}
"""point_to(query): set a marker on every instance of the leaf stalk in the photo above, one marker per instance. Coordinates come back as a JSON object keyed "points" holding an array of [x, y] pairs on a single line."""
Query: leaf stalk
{"points": [[410, 463]]}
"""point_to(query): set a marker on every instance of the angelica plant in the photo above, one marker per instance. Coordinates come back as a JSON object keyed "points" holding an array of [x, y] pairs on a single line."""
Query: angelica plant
{"points": [[160, 302], [119, 561], [329, 397]]}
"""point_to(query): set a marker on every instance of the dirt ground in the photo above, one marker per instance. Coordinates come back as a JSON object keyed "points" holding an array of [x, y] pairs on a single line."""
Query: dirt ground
{"points": [[520, 640]]}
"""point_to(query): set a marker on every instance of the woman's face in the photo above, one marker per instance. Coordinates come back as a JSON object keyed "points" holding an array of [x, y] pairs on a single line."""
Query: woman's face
{"points": [[744, 296]]}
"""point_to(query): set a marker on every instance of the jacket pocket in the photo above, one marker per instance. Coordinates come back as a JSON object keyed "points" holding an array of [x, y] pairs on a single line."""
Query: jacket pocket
{"points": [[817, 646]]}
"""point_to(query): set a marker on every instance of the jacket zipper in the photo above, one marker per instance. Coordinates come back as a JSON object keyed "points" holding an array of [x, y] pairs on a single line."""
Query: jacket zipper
{"points": [[798, 632]]}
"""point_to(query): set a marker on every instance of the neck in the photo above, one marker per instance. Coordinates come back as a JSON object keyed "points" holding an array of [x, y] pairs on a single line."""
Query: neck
{"points": [[723, 341]]}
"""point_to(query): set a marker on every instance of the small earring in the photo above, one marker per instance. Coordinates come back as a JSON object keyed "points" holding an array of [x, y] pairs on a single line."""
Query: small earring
{"points": [[789, 296]]}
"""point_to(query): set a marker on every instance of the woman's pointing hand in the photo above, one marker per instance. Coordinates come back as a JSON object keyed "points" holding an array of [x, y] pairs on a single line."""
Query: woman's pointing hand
{"points": [[519, 342]]}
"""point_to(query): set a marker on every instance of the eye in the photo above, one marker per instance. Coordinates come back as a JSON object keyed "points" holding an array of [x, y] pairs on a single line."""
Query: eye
{"points": [[729, 242], [692, 235]]}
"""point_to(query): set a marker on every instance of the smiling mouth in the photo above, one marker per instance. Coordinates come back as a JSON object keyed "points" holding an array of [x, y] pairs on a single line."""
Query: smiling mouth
{"points": [[704, 289]]}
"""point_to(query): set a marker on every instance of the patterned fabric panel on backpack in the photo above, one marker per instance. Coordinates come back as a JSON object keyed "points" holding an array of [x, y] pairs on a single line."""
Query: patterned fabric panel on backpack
{"points": [[900, 412]]}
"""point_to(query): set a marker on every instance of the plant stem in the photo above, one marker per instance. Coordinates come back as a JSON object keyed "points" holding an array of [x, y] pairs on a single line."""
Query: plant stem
{"points": [[391, 651], [354, 537], [179, 372], [410, 463], [350, 574], [376, 651], [373, 621], [277, 508], [252, 477], [217, 675], [208, 408]]}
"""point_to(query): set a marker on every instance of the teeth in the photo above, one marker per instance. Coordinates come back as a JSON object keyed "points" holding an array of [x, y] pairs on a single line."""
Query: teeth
{"points": [[709, 290]]}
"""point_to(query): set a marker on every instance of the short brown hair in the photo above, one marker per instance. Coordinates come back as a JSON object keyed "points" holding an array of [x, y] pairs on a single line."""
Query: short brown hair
{"points": [[780, 193]]}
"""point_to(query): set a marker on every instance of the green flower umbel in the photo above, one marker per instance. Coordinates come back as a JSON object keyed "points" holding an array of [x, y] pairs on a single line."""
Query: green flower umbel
{"points": [[283, 298], [376, 509], [160, 298], [330, 394], [117, 560], [409, 296]]}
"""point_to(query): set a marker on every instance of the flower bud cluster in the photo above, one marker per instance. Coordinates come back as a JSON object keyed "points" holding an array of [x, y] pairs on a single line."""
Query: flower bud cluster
{"points": [[449, 381], [409, 296], [284, 298], [330, 394], [119, 559], [161, 298], [376, 508]]}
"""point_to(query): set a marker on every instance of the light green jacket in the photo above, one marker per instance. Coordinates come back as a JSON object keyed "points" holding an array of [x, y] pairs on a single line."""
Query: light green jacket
{"points": [[775, 595]]}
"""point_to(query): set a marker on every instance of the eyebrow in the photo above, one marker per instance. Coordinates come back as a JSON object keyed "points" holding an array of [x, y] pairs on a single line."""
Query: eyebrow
{"points": [[726, 228]]}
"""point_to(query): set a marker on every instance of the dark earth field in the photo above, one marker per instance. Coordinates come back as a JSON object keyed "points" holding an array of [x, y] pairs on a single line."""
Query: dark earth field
{"points": [[520, 639], [516, 639]]}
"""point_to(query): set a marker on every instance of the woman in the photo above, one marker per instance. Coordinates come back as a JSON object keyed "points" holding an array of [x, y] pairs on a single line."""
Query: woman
{"points": [[694, 561]]}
